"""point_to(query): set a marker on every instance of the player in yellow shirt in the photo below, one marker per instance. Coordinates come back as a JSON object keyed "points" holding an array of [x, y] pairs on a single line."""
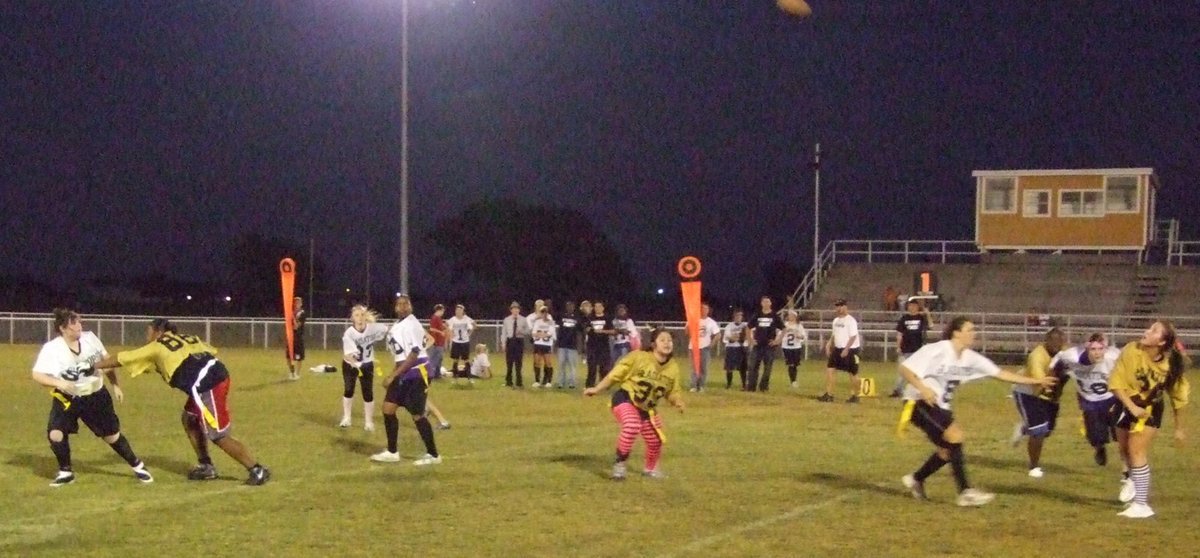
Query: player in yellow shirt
{"points": [[190, 365], [1148, 372], [644, 377], [1037, 405]]}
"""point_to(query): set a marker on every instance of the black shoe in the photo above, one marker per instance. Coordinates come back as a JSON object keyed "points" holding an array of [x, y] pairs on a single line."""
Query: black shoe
{"points": [[62, 479], [825, 398], [852, 399], [895, 394], [1101, 456], [202, 472], [259, 476]]}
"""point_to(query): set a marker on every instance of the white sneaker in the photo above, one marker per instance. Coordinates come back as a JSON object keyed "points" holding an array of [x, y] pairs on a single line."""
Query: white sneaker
{"points": [[536, 385], [654, 474], [369, 427], [427, 460], [917, 488], [1036, 473], [974, 497], [795, 385], [386, 456], [618, 471], [693, 390], [1018, 433], [1128, 491], [345, 423], [62, 479], [1137, 511]]}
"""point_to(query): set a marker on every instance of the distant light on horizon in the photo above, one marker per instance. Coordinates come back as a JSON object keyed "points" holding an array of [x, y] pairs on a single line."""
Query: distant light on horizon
{"points": [[228, 298], [661, 291], [189, 297]]}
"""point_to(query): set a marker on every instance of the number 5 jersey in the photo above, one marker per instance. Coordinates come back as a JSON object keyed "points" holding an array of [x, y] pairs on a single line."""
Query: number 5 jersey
{"points": [[943, 371]]}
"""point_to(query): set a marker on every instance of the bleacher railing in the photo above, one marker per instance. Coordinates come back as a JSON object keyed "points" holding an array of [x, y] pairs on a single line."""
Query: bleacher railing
{"points": [[1005, 335], [1184, 252], [882, 251]]}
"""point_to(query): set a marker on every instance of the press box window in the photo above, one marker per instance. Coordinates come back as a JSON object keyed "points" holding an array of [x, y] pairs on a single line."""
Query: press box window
{"points": [[1121, 194], [1000, 195]]}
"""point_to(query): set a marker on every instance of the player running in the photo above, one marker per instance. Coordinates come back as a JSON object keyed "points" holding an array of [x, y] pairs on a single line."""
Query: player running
{"points": [[1038, 406], [1090, 365]]}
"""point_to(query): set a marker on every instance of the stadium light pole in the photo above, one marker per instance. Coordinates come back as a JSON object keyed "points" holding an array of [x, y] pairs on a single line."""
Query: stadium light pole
{"points": [[816, 164], [403, 147]]}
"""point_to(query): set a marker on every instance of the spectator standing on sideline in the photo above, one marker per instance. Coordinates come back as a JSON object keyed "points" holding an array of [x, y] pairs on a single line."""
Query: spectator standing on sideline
{"points": [[569, 328], [461, 326], [709, 330], [515, 329], [842, 348], [439, 332], [624, 329], [735, 349], [296, 359], [794, 336], [599, 332], [767, 329], [543, 333], [910, 336]]}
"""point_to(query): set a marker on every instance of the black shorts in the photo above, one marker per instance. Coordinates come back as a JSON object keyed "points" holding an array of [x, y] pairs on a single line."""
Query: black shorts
{"points": [[847, 364], [735, 358], [621, 396], [95, 410], [933, 421], [460, 351], [410, 394], [1039, 416], [792, 356], [297, 348], [1125, 421], [542, 349]]}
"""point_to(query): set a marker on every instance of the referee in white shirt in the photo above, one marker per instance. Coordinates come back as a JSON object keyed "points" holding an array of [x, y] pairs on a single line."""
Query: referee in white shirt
{"points": [[842, 349]]}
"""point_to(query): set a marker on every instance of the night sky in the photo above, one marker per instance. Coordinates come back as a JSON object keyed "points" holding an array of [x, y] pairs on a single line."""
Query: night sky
{"points": [[143, 137]]}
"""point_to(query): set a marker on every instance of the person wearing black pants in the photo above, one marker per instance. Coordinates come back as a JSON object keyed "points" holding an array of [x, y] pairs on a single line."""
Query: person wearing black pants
{"points": [[515, 328], [600, 331], [767, 329]]}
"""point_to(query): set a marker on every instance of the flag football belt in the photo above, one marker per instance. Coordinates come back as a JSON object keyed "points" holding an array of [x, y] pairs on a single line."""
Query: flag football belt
{"points": [[905, 417]]}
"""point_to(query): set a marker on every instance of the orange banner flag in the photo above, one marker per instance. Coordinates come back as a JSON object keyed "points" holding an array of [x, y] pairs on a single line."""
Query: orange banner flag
{"points": [[287, 280], [689, 287]]}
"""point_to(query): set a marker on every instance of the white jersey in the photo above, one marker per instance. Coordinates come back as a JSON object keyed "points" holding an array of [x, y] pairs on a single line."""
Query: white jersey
{"points": [[1091, 379], [735, 334], [845, 327], [794, 336], [544, 332], [57, 360], [942, 371], [360, 345], [460, 329], [624, 327], [406, 336], [708, 328]]}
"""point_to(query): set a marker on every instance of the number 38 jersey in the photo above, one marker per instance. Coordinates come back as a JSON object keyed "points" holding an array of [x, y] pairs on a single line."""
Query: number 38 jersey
{"points": [[645, 379], [1091, 378], [943, 371], [165, 355]]}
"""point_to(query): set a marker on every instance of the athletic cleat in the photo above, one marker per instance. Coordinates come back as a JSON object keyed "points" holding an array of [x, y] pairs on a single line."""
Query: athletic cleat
{"points": [[825, 398], [618, 471], [202, 472], [795, 385], [536, 385], [654, 474], [345, 423], [852, 399], [693, 390], [1018, 433], [895, 394], [62, 479], [1036, 473], [443, 426], [1128, 491], [1137, 511], [974, 497], [914, 486], [427, 459], [1101, 456], [143, 475], [386, 456], [369, 427], [259, 476]]}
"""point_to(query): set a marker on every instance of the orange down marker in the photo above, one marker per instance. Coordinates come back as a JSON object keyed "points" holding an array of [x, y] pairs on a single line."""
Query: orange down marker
{"points": [[689, 286], [287, 280]]}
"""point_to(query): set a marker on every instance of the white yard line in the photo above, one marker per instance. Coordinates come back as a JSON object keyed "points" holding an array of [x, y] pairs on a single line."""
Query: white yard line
{"points": [[711, 540]]}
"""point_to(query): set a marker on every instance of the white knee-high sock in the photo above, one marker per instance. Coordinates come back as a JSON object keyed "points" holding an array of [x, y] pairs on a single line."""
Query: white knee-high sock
{"points": [[347, 402], [369, 412]]}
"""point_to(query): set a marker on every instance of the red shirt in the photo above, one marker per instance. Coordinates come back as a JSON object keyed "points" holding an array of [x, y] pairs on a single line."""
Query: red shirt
{"points": [[437, 330]]}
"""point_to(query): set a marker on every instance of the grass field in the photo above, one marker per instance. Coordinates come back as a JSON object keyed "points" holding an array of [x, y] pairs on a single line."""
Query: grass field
{"points": [[774, 474]]}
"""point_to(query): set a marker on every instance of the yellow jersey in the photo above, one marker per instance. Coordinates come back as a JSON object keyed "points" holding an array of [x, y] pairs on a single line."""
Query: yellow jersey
{"points": [[1037, 366], [164, 355], [645, 379], [1140, 376]]}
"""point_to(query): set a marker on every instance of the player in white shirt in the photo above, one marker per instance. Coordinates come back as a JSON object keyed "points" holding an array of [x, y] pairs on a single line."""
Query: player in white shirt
{"points": [[734, 339], [1090, 365], [842, 349], [66, 365], [934, 373], [543, 332], [624, 329], [709, 330], [358, 363], [794, 336], [481, 367], [407, 384], [461, 326]]}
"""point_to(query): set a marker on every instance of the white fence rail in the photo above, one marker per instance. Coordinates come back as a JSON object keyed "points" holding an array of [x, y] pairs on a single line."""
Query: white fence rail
{"points": [[1000, 335]]}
